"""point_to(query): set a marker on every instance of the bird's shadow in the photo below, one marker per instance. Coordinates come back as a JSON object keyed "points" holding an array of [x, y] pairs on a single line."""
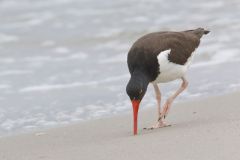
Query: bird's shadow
{"points": [[193, 123]]}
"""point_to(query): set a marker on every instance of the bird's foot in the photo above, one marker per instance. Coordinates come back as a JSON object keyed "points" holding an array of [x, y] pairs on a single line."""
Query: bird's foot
{"points": [[159, 124]]}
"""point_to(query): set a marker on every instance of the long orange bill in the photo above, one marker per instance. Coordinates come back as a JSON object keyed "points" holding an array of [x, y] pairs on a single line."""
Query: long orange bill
{"points": [[135, 105]]}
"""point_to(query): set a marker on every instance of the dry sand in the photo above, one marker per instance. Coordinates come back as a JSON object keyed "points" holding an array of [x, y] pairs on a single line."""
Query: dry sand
{"points": [[207, 129]]}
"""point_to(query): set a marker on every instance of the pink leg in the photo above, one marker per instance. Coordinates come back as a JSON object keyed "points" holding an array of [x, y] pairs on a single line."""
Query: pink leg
{"points": [[158, 98], [170, 100], [159, 123]]}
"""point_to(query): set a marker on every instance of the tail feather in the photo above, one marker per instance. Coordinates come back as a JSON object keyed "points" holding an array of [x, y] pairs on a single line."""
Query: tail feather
{"points": [[206, 31], [200, 32]]}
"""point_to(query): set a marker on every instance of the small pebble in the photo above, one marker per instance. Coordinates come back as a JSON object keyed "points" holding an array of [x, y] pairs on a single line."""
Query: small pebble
{"points": [[40, 134]]}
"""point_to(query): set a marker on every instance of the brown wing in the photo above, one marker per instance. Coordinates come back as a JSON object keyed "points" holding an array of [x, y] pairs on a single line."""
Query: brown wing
{"points": [[182, 44], [143, 54]]}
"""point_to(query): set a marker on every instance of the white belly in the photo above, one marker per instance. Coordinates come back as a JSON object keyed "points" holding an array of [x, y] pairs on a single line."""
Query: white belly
{"points": [[170, 71]]}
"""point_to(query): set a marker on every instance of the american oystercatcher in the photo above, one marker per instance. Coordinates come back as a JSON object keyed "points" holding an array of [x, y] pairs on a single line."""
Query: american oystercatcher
{"points": [[160, 57]]}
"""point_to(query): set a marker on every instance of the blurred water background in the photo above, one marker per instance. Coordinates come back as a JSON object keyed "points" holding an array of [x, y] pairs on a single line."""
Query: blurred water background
{"points": [[64, 61]]}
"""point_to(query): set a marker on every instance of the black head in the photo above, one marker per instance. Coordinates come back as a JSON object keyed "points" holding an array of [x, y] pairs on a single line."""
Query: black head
{"points": [[137, 86]]}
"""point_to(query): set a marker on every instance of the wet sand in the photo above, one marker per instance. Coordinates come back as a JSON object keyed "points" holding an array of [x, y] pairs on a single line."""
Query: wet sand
{"points": [[202, 129]]}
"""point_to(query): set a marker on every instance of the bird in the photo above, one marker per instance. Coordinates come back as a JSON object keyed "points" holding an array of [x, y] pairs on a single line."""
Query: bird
{"points": [[160, 57]]}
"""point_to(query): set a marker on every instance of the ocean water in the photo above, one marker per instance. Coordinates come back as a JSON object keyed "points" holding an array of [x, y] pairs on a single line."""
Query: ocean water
{"points": [[64, 61]]}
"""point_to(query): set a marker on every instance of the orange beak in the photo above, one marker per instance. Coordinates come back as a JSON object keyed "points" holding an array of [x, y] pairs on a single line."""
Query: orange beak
{"points": [[135, 105]]}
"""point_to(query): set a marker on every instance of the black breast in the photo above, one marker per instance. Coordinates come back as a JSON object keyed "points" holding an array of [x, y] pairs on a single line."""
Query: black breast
{"points": [[140, 59]]}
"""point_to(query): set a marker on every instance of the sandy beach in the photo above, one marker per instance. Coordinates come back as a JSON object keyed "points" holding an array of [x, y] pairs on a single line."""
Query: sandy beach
{"points": [[202, 129], [63, 64], [59, 55]]}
